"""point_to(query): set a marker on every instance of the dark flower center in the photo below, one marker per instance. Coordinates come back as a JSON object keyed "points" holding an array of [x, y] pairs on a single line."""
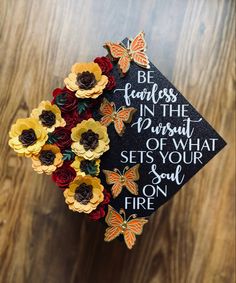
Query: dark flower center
{"points": [[89, 140], [48, 118], [86, 80], [27, 137], [84, 193], [47, 157]]}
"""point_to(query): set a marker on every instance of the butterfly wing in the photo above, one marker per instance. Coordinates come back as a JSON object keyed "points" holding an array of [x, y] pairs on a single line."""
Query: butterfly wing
{"points": [[113, 178], [129, 238], [124, 63], [115, 50], [106, 109], [126, 114], [141, 59], [137, 51], [114, 220], [134, 227], [131, 176], [119, 126], [138, 43]]}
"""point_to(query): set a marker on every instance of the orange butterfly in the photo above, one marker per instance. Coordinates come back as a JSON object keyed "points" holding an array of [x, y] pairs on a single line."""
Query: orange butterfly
{"points": [[126, 179], [134, 52], [118, 117], [118, 225]]}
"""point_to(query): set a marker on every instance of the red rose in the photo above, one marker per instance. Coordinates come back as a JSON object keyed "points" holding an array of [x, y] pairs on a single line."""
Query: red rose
{"points": [[64, 175], [105, 64], [99, 212], [107, 197], [73, 118], [62, 137], [65, 99], [111, 83]]}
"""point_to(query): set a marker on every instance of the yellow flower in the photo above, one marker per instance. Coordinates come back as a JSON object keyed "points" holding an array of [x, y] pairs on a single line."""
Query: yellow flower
{"points": [[84, 194], [86, 79], [90, 139], [86, 167], [49, 116], [48, 159], [27, 137]]}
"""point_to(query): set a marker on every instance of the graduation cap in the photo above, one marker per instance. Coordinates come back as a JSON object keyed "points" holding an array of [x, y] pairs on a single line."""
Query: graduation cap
{"points": [[165, 143], [145, 142]]}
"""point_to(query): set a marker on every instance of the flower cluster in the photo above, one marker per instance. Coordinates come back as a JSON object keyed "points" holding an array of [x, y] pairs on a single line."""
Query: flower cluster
{"points": [[63, 140]]}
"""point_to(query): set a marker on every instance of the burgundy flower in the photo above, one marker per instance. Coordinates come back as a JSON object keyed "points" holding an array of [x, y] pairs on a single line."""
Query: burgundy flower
{"points": [[107, 197], [111, 83], [99, 212], [65, 99], [62, 137], [64, 175], [105, 64], [73, 118]]}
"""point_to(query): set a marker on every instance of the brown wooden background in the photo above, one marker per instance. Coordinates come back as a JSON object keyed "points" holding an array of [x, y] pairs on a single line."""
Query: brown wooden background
{"points": [[191, 238]]}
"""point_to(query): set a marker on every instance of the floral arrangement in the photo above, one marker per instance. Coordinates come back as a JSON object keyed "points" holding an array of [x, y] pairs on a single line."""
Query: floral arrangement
{"points": [[63, 138]]}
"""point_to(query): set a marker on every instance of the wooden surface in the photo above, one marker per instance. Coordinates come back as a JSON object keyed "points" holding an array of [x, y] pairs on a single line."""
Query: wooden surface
{"points": [[191, 238]]}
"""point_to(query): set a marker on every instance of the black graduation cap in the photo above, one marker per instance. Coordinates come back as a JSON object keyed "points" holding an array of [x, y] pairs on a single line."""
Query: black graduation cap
{"points": [[167, 136]]}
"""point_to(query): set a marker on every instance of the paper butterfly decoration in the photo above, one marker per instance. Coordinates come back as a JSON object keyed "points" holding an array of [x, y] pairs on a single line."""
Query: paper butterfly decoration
{"points": [[119, 225], [118, 117], [126, 179], [135, 51]]}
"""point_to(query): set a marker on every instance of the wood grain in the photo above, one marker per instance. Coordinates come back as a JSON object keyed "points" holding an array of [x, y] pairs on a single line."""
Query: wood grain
{"points": [[191, 238]]}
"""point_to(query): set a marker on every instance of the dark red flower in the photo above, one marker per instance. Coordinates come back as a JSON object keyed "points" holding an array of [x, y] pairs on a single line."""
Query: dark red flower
{"points": [[105, 64], [62, 137], [65, 99], [107, 197], [64, 175], [99, 212], [73, 118], [111, 83]]}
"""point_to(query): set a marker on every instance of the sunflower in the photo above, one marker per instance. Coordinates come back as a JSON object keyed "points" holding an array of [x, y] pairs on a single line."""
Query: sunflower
{"points": [[86, 79], [86, 167], [90, 139], [27, 137], [84, 194], [48, 115], [48, 159]]}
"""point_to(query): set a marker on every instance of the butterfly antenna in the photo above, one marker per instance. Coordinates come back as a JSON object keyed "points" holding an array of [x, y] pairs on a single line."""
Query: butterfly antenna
{"points": [[117, 171], [113, 105], [132, 216], [125, 169], [122, 211], [121, 108]]}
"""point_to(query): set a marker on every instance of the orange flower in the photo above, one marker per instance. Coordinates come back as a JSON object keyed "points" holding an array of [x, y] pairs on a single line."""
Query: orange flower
{"points": [[27, 137], [48, 115], [84, 194], [90, 139], [48, 160], [87, 80]]}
